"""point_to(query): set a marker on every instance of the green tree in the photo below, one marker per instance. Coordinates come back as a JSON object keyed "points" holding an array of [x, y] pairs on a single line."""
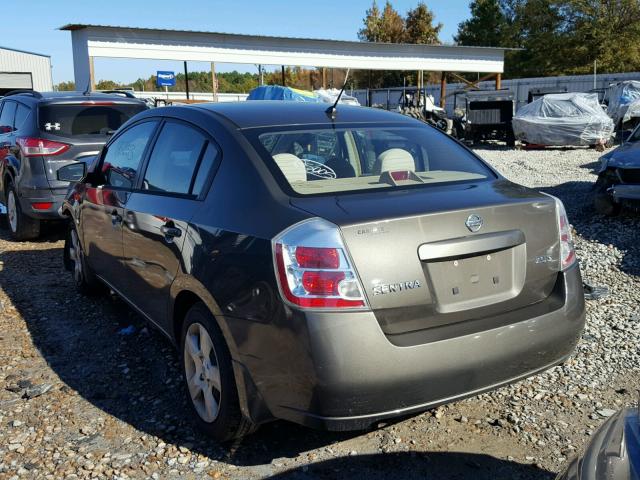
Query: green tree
{"points": [[370, 32], [487, 26], [606, 31], [419, 26], [107, 85], [392, 26], [66, 86]]}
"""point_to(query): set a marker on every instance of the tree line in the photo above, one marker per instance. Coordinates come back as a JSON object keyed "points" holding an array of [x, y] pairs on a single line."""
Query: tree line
{"points": [[549, 37]]}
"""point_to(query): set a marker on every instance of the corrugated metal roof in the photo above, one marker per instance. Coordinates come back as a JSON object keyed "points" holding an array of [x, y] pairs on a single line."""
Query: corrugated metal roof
{"points": [[80, 26], [24, 51]]}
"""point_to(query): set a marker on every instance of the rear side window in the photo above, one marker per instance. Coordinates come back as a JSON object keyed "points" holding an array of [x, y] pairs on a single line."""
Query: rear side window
{"points": [[85, 119], [7, 117], [123, 157], [176, 156], [22, 113]]}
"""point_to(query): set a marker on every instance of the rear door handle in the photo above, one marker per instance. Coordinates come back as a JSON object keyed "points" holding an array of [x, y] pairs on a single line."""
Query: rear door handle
{"points": [[170, 231]]}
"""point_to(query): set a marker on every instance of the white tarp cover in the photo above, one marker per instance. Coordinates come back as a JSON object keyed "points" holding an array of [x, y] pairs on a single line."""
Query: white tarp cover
{"points": [[331, 94], [563, 119], [623, 101]]}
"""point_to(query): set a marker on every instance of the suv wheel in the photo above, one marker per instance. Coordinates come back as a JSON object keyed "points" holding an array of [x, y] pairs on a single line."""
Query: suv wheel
{"points": [[20, 226], [75, 261], [603, 202], [211, 387]]}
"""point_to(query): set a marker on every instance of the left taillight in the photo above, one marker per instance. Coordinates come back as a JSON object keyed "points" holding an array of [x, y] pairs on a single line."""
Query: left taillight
{"points": [[40, 147], [313, 268]]}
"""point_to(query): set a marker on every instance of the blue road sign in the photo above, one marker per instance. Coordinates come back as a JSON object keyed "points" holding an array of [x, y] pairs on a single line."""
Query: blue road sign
{"points": [[165, 79]]}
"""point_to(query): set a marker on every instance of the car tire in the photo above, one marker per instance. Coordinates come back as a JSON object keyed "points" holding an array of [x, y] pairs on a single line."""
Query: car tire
{"points": [[603, 202], [21, 227], [75, 261], [210, 383]]}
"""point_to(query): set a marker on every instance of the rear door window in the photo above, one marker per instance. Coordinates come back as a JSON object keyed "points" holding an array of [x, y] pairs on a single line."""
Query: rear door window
{"points": [[7, 117], [178, 153], [85, 119], [124, 155]]}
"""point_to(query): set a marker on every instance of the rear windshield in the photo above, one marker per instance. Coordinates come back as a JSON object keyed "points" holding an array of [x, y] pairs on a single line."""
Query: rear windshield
{"points": [[75, 120], [332, 160]]}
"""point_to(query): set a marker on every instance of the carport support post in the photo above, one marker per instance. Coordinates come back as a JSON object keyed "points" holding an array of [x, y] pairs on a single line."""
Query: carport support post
{"points": [[284, 83], [498, 81], [443, 89], [92, 75], [186, 79], [214, 82]]}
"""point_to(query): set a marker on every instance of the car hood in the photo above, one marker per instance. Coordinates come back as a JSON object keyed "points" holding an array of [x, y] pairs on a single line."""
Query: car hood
{"points": [[626, 155]]}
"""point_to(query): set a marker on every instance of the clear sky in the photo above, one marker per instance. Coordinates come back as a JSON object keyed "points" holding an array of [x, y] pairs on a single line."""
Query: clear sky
{"points": [[33, 25]]}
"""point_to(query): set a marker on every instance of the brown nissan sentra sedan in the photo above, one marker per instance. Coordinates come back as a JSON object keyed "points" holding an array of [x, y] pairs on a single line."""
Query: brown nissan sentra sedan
{"points": [[330, 272]]}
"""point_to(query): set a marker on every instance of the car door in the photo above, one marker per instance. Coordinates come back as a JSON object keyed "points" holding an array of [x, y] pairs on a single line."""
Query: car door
{"points": [[103, 205], [158, 212]]}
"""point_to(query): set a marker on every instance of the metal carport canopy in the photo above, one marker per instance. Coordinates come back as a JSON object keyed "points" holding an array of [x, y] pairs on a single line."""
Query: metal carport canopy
{"points": [[90, 41]]}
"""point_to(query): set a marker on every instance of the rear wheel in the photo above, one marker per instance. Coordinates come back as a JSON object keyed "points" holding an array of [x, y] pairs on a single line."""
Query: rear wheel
{"points": [[21, 226], [211, 386], [75, 261]]}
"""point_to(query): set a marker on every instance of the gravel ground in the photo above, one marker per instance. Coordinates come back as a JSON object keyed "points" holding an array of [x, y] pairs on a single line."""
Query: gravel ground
{"points": [[82, 395]]}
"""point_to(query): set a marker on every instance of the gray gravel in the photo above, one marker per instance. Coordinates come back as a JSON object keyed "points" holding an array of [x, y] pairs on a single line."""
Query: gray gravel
{"points": [[81, 399]]}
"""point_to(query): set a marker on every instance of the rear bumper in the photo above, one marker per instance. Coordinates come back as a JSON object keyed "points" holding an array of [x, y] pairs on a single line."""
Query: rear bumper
{"points": [[42, 196], [338, 371]]}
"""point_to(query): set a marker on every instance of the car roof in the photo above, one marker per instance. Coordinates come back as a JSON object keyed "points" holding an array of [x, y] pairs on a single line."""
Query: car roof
{"points": [[268, 113]]}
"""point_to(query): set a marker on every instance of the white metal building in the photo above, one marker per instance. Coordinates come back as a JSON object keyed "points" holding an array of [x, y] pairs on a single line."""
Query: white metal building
{"points": [[20, 69]]}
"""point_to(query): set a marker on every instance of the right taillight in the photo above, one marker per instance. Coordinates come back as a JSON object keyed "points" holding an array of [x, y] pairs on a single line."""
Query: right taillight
{"points": [[567, 251], [313, 268]]}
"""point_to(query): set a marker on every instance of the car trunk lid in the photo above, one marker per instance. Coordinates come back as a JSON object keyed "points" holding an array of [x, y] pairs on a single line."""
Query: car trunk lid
{"points": [[433, 256]]}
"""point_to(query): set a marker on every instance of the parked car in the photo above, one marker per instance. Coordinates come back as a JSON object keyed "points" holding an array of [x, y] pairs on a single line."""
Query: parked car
{"points": [[613, 452], [39, 133], [618, 181], [333, 273], [564, 119]]}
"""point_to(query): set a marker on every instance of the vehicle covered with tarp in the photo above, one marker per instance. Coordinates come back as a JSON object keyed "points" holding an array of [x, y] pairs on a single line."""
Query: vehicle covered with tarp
{"points": [[563, 119], [624, 101], [277, 92]]}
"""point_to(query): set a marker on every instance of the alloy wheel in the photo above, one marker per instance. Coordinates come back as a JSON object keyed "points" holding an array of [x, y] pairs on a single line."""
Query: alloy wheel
{"points": [[202, 372], [12, 211]]}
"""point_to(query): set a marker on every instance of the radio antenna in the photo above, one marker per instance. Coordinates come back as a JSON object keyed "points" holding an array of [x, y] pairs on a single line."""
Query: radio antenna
{"points": [[332, 110]]}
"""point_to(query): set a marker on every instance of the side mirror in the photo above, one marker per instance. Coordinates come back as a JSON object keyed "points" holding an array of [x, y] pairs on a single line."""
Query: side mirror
{"points": [[74, 172]]}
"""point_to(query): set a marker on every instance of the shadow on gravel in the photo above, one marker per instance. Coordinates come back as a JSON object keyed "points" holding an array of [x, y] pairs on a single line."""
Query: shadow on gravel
{"points": [[134, 377], [405, 465]]}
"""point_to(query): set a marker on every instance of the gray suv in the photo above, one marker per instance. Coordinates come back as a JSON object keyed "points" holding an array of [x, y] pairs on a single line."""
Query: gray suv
{"points": [[39, 133]]}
